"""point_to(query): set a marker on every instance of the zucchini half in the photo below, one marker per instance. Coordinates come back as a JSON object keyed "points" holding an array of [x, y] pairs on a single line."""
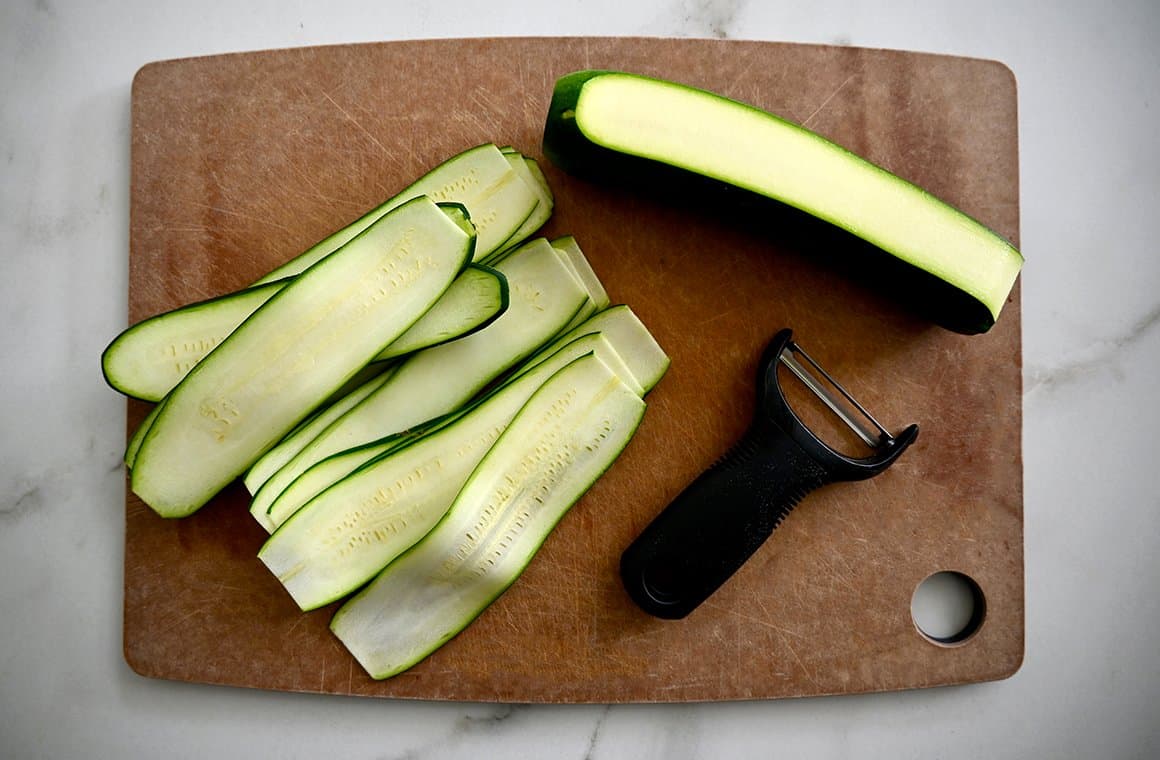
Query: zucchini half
{"points": [[634, 129]]}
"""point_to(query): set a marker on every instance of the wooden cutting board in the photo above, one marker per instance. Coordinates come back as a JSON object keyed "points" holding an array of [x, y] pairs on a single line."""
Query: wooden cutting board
{"points": [[240, 162]]}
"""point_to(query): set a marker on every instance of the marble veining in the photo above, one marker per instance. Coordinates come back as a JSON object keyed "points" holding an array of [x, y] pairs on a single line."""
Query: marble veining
{"points": [[479, 727], [705, 19], [42, 227], [1103, 356], [485, 718], [28, 499], [594, 738], [710, 18]]}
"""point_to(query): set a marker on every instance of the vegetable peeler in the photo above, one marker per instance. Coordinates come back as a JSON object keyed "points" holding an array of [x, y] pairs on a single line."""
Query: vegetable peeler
{"points": [[708, 532]]}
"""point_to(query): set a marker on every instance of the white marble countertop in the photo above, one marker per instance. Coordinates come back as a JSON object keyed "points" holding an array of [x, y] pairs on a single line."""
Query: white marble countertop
{"points": [[1090, 190]]}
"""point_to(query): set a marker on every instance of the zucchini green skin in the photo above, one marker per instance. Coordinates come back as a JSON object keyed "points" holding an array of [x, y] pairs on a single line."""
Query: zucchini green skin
{"points": [[856, 250], [566, 436]]}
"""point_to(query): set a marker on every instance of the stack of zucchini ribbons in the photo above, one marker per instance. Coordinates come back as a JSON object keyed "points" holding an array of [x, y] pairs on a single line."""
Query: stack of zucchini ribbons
{"points": [[414, 403]]}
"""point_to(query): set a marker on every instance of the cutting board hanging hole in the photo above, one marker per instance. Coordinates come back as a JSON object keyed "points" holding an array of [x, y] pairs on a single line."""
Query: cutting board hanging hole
{"points": [[948, 608]]}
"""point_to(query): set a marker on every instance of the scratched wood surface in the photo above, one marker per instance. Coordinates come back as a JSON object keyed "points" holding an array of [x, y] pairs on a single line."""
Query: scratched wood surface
{"points": [[241, 161]]}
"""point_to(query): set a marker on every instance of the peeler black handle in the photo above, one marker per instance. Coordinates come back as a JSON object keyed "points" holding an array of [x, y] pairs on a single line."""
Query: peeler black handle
{"points": [[708, 532]]}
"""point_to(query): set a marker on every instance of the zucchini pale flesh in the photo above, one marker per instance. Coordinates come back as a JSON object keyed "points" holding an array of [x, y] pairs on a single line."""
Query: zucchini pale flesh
{"points": [[571, 250], [530, 173], [643, 356], [611, 125], [566, 436], [295, 351], [294, 441], [322, 475]]}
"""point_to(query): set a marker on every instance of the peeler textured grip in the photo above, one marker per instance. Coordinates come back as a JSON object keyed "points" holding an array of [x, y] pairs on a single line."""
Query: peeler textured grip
{"points": [[708, 532]]}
